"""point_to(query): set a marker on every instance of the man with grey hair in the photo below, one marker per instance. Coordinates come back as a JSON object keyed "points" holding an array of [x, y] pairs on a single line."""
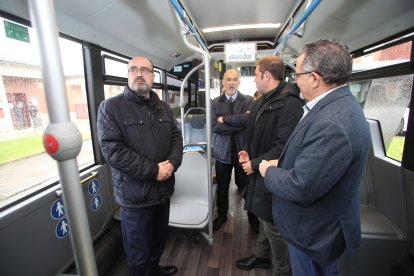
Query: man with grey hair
{"points": [[141, 142], [315, 182]]}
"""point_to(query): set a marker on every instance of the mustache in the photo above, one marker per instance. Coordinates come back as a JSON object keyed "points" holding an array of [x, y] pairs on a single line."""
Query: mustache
{"points": [[140, 79]]}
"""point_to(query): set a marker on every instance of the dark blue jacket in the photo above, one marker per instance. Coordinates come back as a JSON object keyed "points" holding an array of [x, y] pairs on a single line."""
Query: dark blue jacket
{"points": [[316, 186], [235, 125], [135, 134]]}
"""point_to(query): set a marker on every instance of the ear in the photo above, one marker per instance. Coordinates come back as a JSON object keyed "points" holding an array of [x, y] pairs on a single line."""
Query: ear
{"points": [[316, 80]]}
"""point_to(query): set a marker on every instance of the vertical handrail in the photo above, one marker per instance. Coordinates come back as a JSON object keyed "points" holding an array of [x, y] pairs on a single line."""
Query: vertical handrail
{"points": [[62, 139], [182, 105], [206, 60], [302, 19]]}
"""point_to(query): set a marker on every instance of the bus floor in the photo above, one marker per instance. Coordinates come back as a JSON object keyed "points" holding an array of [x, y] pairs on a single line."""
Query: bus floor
{"points": [[190, 252]]}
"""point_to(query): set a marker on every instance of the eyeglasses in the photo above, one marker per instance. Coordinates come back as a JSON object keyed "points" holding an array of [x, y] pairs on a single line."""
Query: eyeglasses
{"points": [[295, 76], [142, 70]]}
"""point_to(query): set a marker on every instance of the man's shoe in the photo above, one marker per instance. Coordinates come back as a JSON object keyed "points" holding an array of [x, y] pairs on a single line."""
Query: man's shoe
{"points": [[253, 262], [218, 222], [167, 270]]}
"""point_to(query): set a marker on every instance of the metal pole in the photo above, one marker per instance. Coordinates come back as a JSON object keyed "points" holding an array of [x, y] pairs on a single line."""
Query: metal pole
{"points": [[302, 19], [183, 16], [62, 139], [206, 61], [182, 96]]}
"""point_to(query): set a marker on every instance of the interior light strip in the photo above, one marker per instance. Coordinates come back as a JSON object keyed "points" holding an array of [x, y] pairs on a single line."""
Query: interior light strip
{"points": [[241, 27]]}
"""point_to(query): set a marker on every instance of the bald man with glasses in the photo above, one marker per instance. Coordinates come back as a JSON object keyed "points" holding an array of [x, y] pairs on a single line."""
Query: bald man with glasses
{"points": [[141, 142]]}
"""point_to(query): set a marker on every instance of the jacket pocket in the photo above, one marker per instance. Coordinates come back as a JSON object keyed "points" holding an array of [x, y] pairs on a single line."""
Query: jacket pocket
{"points": [[163, 126], [134, 130]]}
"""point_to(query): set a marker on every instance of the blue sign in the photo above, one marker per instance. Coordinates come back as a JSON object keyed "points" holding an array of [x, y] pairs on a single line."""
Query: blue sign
{"points": [[93, 186], [57, 211], [62, 228], [96, 202]]}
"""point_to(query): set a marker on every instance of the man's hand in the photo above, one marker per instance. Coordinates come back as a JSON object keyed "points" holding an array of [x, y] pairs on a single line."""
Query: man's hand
{"points": [[220, 120], [170, 167], [266, 164], [274, 162], [165, 170], [247, 167], [243, 157]]}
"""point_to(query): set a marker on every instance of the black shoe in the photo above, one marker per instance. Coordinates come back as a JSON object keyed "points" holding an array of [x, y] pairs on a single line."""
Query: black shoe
{"points": [[253, 262], [218, 222], [167, 270]]}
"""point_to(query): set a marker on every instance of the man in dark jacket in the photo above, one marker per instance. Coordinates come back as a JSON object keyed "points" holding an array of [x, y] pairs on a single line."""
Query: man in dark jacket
{"points": [[273, 118], [141, 142], [228, 124]]}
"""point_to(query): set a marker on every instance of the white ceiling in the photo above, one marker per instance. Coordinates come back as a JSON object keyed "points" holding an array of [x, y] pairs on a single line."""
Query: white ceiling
{"points": [[150, 27]]}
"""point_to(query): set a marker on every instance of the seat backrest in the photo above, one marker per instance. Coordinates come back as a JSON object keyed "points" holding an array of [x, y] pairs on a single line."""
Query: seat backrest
{"points": [[191, 179], [376, 149], [195, 129]]}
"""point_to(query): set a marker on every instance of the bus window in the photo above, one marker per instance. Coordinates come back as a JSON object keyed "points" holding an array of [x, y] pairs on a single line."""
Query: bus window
{"points": [[24, 165], [112, 90], [115, 65], [386, 99], [392, 55], [174, 95]]}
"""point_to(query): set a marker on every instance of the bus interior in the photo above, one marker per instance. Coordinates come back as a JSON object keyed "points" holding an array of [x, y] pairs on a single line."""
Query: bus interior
{"points": [[97, 38]]}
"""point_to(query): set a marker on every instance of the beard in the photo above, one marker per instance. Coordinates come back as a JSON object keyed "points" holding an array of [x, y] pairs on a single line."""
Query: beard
{"points": [[140, 89]]}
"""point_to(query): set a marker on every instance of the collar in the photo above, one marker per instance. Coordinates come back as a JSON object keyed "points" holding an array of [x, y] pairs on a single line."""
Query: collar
{"points": [[275, 90], [312, 103], [151, 100], [234, 96]]}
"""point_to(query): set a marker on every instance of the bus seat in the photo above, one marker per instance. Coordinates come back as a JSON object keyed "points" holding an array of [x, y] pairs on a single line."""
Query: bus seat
{"points": [[195, 129], [189, 207], [374, 224]]}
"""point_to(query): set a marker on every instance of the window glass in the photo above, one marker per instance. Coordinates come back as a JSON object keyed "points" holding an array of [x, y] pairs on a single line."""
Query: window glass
{"points": [[175, 82], [174, 101], [157, 77], [113, 90], [24, 165], [115, 65], [387, 100], [393, 55]]}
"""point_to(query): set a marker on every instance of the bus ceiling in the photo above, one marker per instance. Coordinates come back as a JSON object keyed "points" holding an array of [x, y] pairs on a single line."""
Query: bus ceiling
{"points": [[148, 23]]}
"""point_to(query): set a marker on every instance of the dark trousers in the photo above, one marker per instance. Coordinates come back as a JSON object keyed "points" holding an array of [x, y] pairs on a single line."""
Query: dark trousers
{"points": [[270, 243], [303, 265], [144, 232], [223, 176]]}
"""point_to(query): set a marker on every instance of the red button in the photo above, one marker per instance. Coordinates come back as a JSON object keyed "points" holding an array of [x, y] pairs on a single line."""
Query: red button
{"points": [[50, 143]]}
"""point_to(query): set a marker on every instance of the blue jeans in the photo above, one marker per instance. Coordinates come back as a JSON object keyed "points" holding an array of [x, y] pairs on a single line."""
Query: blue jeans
{"points": [[144, 233]]}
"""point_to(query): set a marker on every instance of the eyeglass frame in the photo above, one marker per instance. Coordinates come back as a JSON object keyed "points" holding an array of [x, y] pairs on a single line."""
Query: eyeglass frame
{"points": [[294, 76], [142, 70]]}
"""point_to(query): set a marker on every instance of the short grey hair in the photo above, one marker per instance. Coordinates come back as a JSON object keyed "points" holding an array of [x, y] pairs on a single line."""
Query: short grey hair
{"points": [[329, 58]]}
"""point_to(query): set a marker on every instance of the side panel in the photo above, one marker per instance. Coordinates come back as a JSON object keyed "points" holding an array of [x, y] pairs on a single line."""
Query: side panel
{"points": [[29, 239]]}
